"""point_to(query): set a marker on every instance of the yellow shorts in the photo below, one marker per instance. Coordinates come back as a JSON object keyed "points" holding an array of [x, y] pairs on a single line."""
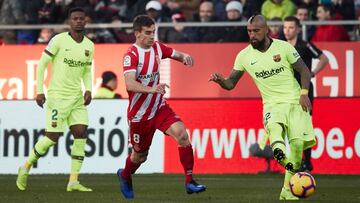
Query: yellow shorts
{"points": [[297, 122], [65, 112]]}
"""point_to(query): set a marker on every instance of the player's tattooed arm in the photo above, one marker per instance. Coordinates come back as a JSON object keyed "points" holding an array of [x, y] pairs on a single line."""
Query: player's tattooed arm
{"points": [[228, 83], [184, 58], [304, 72], [305, 75]]}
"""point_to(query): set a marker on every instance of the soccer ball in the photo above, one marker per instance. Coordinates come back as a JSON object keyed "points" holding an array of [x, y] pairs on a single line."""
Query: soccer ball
{"points": [[302, 185]]}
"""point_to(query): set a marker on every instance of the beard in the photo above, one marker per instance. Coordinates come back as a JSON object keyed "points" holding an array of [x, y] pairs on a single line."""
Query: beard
{"points": [[257, 44]]}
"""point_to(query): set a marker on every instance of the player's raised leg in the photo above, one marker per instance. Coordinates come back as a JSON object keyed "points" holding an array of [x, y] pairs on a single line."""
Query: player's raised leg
{"points": [[296, 148], [276, 134], [77, 158], [40, 149], [178, 131]]}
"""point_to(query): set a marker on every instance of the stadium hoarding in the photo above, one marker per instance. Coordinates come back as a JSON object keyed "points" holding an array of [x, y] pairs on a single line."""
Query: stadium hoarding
{"points": [[338, 79], [221, 132], [22, 123]]}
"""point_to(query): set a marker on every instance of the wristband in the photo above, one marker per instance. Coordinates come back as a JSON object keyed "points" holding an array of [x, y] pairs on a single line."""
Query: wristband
{"points": [[304, 92]]}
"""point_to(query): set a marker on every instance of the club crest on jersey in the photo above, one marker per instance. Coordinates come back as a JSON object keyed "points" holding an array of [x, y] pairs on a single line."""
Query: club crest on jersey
{"points": [[127, 61], [87, 53], [157, 59], [54, 124], [277, 58]]}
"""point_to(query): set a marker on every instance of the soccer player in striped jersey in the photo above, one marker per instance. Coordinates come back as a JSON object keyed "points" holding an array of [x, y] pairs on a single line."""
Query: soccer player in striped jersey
{"points": [[148, 110], [71, 55]]}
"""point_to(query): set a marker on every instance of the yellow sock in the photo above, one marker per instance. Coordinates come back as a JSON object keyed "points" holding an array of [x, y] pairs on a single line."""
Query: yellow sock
{"points": [[27, 166], [288, 175], [73, 177]]}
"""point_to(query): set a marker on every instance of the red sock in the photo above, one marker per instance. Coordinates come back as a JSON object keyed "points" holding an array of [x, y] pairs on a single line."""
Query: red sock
{"points": [[187, 161], [130, 168]]}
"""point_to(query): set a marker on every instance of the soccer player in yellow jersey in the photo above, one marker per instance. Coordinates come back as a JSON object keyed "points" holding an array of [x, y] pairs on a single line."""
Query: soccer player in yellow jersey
{"points": [[71, 55], [286, 105]]}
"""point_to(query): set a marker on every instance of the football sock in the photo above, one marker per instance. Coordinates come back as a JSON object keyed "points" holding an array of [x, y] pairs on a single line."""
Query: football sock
{"points": [[40, 148], [296, 148], [130, 168], [77, 158], [187, 161], [288, 175], [275, 132]]}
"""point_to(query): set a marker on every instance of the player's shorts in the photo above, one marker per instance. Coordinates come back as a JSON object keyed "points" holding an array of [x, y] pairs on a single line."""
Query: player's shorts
{"points": [[297, 122], [141, 133], [65, 112]]}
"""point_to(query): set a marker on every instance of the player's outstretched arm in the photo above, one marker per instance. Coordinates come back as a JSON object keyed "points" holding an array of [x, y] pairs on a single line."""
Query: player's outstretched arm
{"points": [[305, 75], [184, 58], [228, 83], [134, 86]]}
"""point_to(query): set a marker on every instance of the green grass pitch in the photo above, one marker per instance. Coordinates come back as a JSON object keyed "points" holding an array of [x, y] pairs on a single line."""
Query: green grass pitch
{"points": [[152, 188]]}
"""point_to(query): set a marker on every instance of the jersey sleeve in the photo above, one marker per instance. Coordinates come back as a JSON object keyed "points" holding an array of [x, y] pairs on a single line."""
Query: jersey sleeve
{"points": [[238, 64], [53, 45], [130, 62], [87, 76], [315, 52], [167, 52], [291, 54]]}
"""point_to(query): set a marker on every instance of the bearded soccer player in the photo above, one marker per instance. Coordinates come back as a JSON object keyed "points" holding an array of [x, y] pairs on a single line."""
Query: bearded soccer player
{"points": [[148, 110], [71, 54], [286, 106]]}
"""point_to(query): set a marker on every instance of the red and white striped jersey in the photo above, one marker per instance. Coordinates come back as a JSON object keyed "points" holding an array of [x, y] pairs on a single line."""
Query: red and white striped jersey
{"points": [[146, 64]]}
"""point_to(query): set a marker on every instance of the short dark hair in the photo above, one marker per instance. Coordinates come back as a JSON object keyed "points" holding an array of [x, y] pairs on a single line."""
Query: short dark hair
{"points": [[293, 19], [302, 6], [107, 76], [328, 7], [142, 21], [75, 9]]}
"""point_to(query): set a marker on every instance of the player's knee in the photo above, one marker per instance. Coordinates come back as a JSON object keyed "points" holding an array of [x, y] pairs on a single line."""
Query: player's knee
{"points": [[139, 158], [274, 129], [183, 138], [79, 131], [297, 145]]}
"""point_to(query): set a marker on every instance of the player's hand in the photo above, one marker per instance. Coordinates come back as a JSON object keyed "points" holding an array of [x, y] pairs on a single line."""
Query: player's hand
{"points": [[188, 60], [87, 98], [40, 100], [160, 88], [305, 103], [216, 77]]}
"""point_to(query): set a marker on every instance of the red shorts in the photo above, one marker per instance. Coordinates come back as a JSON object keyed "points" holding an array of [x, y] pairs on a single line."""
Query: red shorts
{"points": [[141, 133]]}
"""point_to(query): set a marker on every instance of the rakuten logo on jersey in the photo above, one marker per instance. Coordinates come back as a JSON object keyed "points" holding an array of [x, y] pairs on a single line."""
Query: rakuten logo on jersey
{"points": [[268, 73], [74, 63]]}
